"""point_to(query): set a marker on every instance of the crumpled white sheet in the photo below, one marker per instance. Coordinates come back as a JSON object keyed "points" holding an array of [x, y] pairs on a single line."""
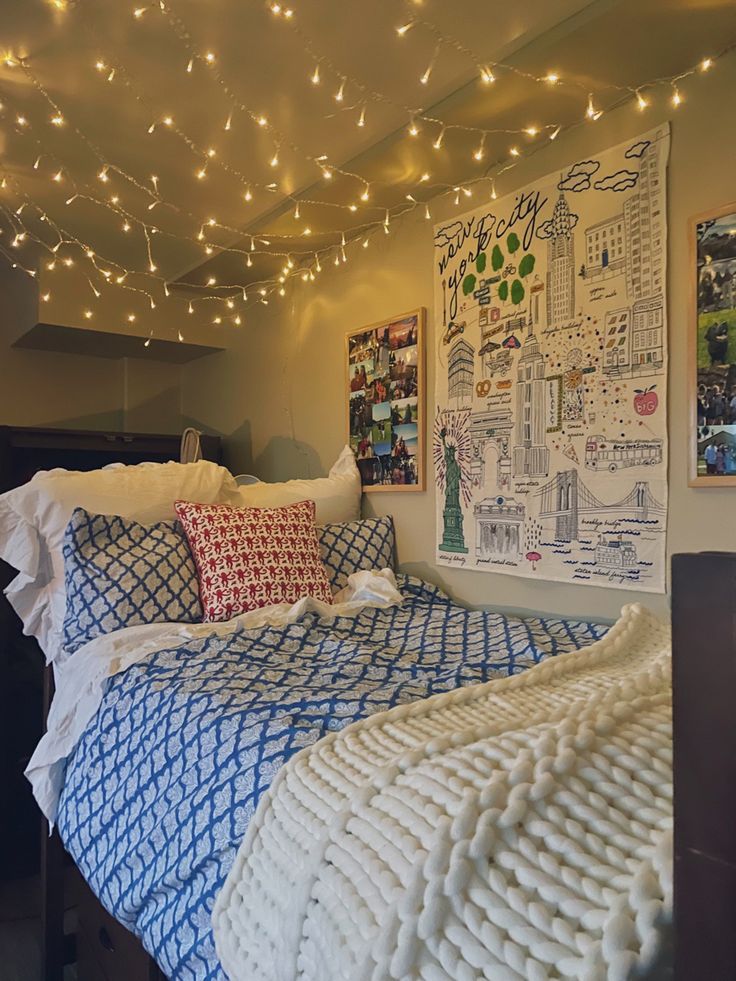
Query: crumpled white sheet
{"points": [[81, 680]]}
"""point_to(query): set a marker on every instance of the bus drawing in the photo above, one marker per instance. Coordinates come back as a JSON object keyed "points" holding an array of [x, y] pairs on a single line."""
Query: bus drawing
{"points": [[619, 454]]}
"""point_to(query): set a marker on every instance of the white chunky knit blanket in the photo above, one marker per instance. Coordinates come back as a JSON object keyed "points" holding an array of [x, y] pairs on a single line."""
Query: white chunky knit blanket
{"points": [[519, 829]]}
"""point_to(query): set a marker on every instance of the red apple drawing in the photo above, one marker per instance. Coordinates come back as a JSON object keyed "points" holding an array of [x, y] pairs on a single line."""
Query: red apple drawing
{"points": [[646, 401]]}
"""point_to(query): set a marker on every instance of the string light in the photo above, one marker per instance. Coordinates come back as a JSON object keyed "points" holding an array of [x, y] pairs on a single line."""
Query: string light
{"points": [[676, 97], [327, 170]]}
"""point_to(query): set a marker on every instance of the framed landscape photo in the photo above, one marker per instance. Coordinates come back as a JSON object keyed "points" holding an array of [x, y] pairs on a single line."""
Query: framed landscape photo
{"points": [[385, 396], [713, 350]]}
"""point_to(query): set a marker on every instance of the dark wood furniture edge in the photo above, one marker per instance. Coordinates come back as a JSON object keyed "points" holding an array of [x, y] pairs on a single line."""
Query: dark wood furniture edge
{"points": [[704, 764], [52, 878]]}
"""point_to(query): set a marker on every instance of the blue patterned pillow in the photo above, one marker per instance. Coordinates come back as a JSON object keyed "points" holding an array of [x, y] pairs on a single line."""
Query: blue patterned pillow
{"points": [[118, 573], [355, 545]]}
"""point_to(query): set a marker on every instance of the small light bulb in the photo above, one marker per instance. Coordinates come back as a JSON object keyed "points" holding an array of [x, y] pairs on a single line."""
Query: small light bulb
{"points": [[340, 94], [274, 161], [58, 176], [139, 12], [366, 193], [262, 121], [210, 57], [531, 131], [641, 102], [424, 178], [88, 314], [487, 76], [57, 120], [514, 151], [211, 281], [327, 174], [168, 121], [361, 118], [552, 78], [705, 64], [131, 318], [307, 231], [426, 76], [404, 29], [676, 98], [413, 129], [248, 196], [315, 76]]}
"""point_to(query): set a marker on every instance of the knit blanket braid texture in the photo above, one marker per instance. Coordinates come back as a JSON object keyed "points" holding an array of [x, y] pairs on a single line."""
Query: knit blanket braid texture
{"points": [[519, 829]]}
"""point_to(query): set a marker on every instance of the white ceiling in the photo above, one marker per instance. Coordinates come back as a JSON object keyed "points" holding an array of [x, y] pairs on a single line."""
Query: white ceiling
{"points": [[266, 63]]}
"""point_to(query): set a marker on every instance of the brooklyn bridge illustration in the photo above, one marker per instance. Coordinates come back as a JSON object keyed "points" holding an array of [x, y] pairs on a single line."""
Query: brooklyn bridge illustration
{"points": [[566, 499]]}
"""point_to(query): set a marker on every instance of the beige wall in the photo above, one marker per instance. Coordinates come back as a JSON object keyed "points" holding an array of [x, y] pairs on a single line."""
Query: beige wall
{"points": [[69, 391], [278, 394], [72, 391]]}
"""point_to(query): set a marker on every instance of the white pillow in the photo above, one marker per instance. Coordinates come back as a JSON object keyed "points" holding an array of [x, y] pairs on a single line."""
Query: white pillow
{"points": [[337, 497], [33, 519]]}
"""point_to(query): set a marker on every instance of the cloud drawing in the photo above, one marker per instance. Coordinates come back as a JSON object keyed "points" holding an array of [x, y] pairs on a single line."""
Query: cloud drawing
{"points": [[447, 234], [622, 180], [638, 149], [546, 229], [578, 176]]}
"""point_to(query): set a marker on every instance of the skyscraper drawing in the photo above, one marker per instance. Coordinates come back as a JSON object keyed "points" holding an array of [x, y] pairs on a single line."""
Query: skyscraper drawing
{"points": [[560, 267], [460, 367], [644, 221], [531, 456]]}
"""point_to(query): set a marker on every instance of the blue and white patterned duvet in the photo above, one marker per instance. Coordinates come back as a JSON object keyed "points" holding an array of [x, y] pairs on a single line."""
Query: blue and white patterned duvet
{"points": [[163, 783]]}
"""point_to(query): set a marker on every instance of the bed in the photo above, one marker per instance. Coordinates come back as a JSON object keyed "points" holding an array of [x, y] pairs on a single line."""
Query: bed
{"points": [[168, 772], [171, 745]]}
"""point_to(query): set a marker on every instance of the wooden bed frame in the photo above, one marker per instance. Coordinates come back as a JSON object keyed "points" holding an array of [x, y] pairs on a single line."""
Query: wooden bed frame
{"points": [[704, 704]]}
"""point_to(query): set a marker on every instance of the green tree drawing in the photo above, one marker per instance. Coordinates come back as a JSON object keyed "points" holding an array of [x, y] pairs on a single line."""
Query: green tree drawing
{"points": [[469, 284], [526, 266], [503, 291], [480, 262], [517, 292], [513, 243], [497, 259]]}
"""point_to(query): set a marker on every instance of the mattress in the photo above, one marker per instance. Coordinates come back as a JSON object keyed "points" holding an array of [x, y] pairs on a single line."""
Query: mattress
{"points": [[179, 730]]}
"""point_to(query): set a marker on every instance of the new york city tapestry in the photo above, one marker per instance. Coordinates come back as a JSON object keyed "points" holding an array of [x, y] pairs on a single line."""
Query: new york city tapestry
{"points": [[550, 434]]}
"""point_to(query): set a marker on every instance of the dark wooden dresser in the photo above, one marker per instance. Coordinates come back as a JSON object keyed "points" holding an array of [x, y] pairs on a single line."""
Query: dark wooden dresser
{"points": [[106, 951], [704, 730]]}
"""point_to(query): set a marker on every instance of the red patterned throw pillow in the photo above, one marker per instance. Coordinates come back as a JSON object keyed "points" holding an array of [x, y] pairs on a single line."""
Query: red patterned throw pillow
{"points": [[252, 557]]}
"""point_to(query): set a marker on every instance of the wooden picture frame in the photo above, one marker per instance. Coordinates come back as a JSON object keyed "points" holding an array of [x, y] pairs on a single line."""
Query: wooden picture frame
{"points": [[385, 379], [712, 349]]}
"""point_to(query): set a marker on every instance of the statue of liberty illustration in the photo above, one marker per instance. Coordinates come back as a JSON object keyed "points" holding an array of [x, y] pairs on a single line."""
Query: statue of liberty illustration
{"points": [[452, 457]]}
